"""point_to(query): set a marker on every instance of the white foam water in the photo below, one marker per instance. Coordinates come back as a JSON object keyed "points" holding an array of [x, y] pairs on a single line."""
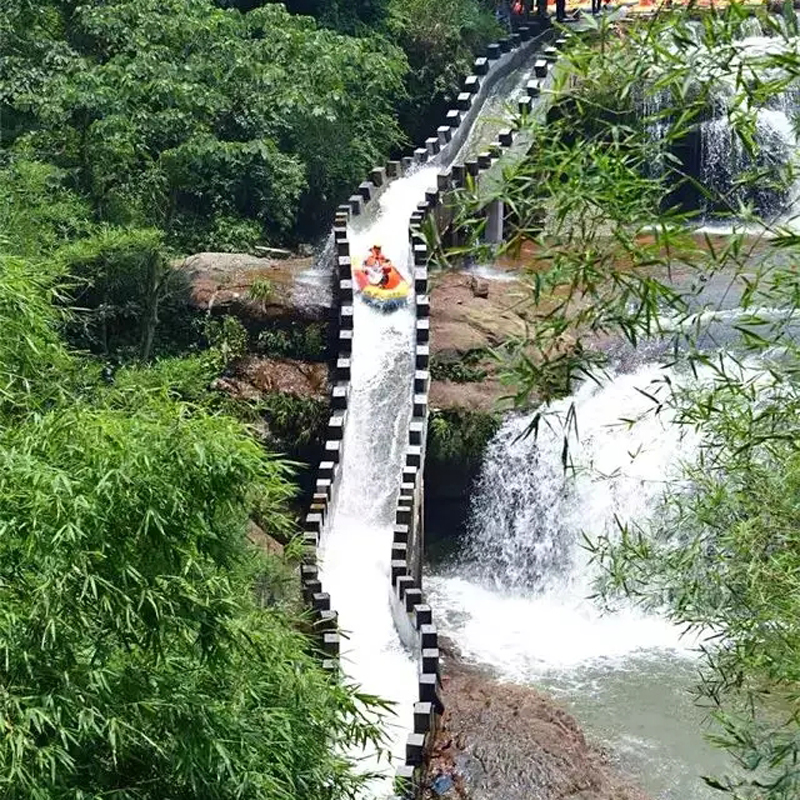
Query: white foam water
{"points": [[356, 544]]}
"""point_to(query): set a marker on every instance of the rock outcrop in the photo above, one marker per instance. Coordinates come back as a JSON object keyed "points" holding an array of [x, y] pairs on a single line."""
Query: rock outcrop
{"points": [[291, 289], [506, 742]]}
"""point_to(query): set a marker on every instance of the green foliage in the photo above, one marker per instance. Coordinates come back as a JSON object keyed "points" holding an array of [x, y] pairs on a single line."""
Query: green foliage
{"points": [[466, 369], [227, 337], [261, 290], [460, 436], [618, 258], [31, 355], [148, 651], [213, 125], [293, 420], [440, 39], [300, 341], [38, 213], [135, 659], [120, 278]]}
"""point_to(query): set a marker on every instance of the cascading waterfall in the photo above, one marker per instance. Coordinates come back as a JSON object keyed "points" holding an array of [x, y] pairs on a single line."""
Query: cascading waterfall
{"points": [[723, 158], [518, 597]]}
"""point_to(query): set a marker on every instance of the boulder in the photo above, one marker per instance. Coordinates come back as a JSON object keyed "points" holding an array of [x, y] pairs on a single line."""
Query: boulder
{"points": [[296, 289]]}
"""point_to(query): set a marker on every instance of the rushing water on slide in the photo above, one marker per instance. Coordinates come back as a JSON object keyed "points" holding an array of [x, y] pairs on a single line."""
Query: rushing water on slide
{"points": [[356, 544], [518, 598]]}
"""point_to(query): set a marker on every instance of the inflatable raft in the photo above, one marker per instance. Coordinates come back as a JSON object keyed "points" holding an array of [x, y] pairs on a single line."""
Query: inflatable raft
{"points": [[380, 284]]}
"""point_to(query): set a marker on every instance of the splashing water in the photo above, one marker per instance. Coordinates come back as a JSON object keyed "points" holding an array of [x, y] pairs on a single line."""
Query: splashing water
{"points": [[519, 598]]}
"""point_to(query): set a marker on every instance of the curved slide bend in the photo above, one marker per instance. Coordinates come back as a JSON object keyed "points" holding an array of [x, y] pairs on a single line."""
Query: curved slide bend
{"points": [[366, 516]]}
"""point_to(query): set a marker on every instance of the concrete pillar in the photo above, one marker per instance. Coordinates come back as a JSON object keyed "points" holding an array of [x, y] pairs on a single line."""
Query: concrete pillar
{"points": [[494, 222]]}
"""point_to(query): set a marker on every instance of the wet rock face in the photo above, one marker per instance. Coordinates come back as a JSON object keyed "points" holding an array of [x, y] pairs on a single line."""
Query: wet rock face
{"points": [[505, 742], [221, 282]]}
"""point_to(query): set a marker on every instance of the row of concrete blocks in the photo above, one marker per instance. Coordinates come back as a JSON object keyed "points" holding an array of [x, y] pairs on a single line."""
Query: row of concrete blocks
{"points": [[324, 619], [381, 176], [408, 593]]}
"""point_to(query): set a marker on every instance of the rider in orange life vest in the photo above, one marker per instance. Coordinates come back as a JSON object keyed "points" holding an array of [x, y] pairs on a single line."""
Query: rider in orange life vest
{"points": [[377, 266]]}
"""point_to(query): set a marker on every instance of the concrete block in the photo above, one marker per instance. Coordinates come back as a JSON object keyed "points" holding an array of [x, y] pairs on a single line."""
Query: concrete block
{"points": [[524, 105], [423, 717], [356, 202], [323, 485], [345, 267], [550, 53], [346, 317], [493, 51], [495, 149], [407, 162], [444, 179], [329, 664], [310, 587], [516, 40], [366, 189], [429, 636], [400, 533], [420, 406], [346, 290], [321, 601], [310, 544], [378, 175], [404, 513], [420, 279], [444, 133], [533, 88], [423, 207], [481, 66], [524, 32], [505, 44], [423, 330], [327, 620], [336, 425], [398, 568], [420, 254], [399, 552], [394, 169], [339, 396], [309, 573], [471, 84], [430, 660], [422, 380], [464, 101], [422, 356], [416, 429], [415, 749], [327, 469], [506, 137], [312, 523], [342, 248], [423, 307], [421, 155], [414, 456], [472, 167], [404, 584], [333, 451], [432, 197], [432, 145], [343, 369], [429, 691], [453, 118], [330, 644], [345, 343], [407, 782], [423, 615], [343, 210], [339, 232], [413, 598], [540, 67], [484, 160], [458, 173]]}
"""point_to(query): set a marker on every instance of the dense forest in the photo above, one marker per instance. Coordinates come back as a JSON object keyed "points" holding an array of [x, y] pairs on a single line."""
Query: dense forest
{"points": [[150, 649]]}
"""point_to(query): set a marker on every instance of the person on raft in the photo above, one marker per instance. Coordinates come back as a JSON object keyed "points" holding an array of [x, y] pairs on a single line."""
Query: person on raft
{"points": [[377, 266]]}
